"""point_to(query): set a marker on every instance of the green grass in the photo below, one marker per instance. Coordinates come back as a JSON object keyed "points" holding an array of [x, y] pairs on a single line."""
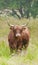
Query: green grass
{"points": [[4, 49], [28, 57]]}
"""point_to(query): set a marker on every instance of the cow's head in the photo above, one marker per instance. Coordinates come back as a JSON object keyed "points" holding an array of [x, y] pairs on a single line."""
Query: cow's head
{"points": [[17, 30]]}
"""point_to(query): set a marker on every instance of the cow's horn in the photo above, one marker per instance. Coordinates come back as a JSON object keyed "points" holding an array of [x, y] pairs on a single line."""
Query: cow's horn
{"points": [[25, 24], [9, 24]]}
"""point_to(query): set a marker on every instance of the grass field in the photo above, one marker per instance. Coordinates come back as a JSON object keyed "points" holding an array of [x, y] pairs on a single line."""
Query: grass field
{"points": [[26, 57]]}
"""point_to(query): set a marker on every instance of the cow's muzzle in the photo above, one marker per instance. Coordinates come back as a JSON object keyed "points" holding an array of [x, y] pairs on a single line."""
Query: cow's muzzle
{"points": [[18, 35]]}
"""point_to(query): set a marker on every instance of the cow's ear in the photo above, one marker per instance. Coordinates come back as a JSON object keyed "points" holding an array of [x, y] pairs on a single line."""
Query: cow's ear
{"points": [[11, 27], [23, 27]]}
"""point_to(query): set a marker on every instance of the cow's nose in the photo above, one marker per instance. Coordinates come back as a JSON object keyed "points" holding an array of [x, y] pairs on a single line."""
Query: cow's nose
{"points": [[18, 35]]}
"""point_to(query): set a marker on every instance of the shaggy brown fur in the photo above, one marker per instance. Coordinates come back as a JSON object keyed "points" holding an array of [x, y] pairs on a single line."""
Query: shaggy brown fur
{"points": [[18, 37]]}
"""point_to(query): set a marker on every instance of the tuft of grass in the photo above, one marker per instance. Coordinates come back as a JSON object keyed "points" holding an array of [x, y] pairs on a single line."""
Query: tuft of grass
{"points": [[4, 49]]}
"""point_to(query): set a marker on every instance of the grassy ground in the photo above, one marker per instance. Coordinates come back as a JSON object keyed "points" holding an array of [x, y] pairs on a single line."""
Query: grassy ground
{"points": [[29, 56]]}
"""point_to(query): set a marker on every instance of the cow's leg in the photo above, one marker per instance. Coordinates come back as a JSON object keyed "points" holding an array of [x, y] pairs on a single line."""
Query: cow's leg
{"points": [[25, 43], [19, 46], [12, 46]]}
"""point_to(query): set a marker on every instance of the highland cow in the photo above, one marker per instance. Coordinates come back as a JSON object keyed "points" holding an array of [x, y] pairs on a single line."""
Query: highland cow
{"points": [[18, 37]]}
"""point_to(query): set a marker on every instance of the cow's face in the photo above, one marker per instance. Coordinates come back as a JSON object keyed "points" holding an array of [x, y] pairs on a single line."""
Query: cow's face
{"points": [[17, 31]]}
